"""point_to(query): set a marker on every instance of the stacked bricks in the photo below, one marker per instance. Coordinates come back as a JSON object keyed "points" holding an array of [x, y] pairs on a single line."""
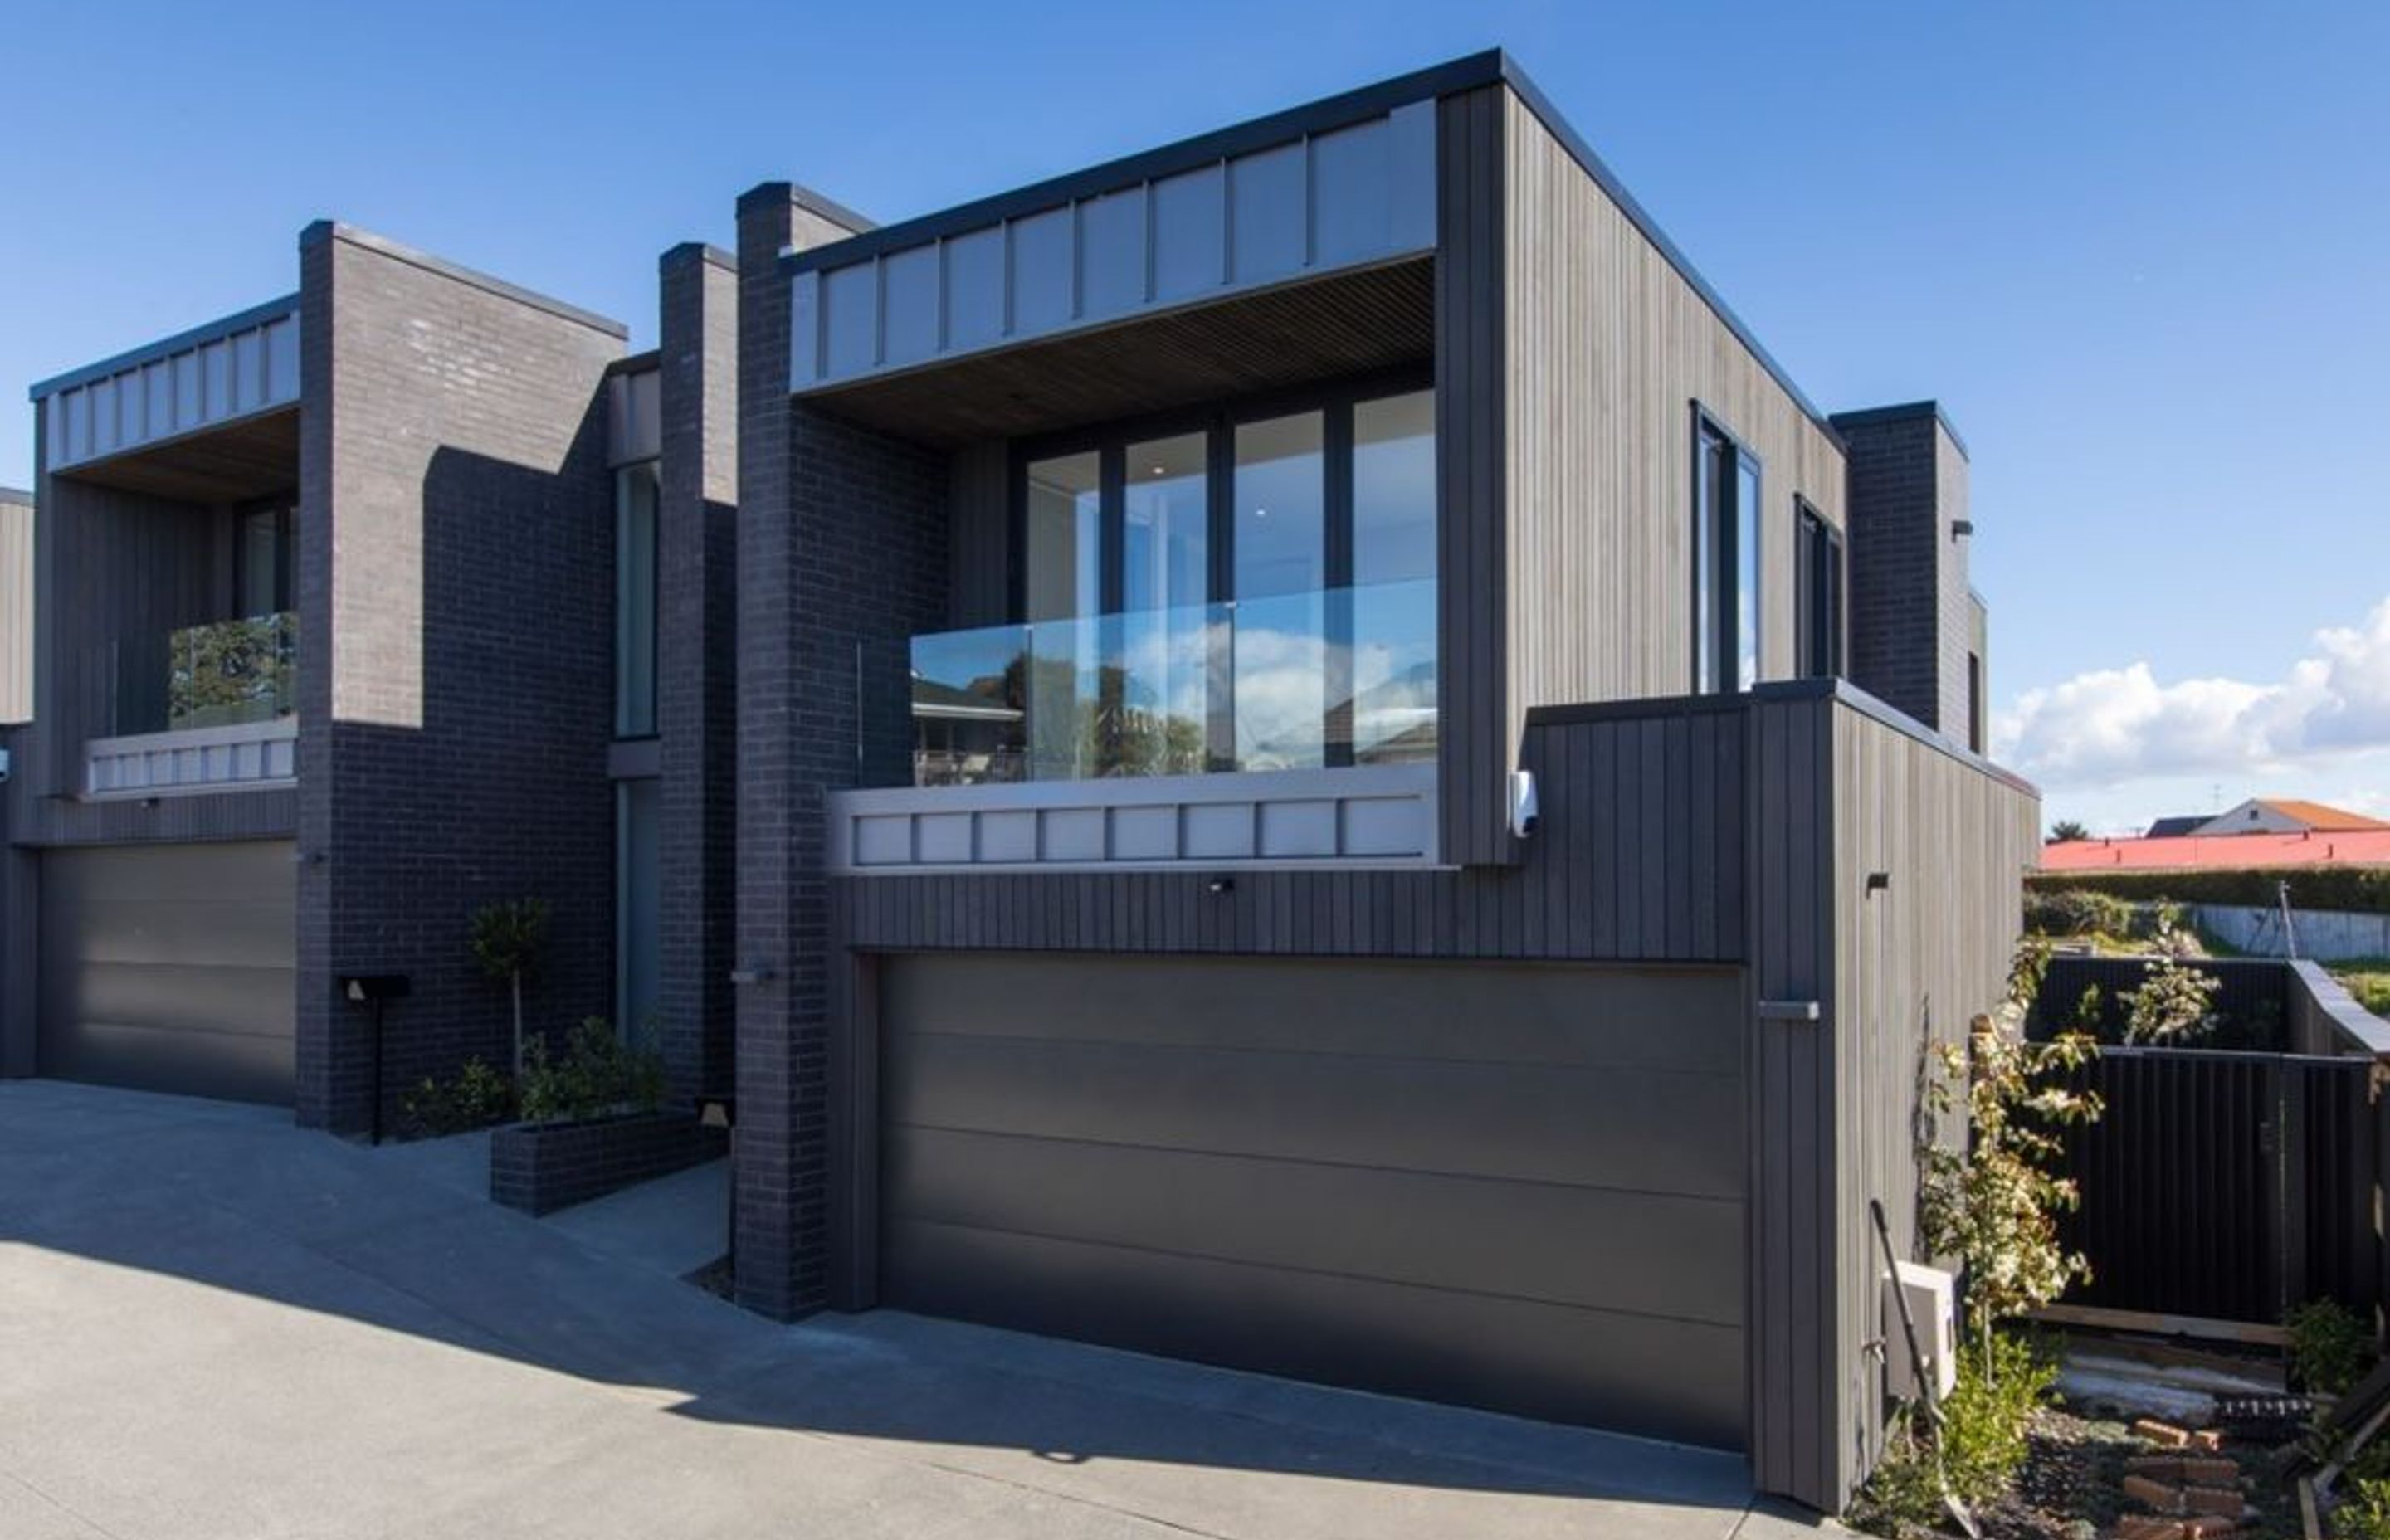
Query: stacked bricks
{"points": [[2193, 1491]]}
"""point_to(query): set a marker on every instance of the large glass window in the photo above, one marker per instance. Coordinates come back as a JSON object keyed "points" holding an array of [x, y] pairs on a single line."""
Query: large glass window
{"points": [[1727, 500], [1243, 590], [635, 600]]}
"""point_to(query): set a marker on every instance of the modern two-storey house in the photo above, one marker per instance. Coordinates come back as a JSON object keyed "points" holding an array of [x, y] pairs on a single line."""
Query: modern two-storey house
{"points": [[1296, 750], [350, 626], [1302, 801]]}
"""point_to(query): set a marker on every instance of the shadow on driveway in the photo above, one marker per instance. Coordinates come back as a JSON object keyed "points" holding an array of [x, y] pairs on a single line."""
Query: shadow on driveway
{"points": [[365, 1257]]}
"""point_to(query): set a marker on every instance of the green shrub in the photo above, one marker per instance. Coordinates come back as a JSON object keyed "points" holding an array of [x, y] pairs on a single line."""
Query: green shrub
{"points": [[1986, 1423], [2076, 912], [2357, 890], [2330, 1346], [476, 1098], [2364, 1512], [599, 1075]]}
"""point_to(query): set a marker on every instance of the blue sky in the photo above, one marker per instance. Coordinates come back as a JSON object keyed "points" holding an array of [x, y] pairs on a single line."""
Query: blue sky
{"points": [[2140, 251]]}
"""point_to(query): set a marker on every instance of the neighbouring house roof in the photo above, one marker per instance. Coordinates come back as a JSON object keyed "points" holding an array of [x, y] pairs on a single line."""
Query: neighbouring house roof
{"points": [[2167, 828], [2306, 848], [2320, 816]]}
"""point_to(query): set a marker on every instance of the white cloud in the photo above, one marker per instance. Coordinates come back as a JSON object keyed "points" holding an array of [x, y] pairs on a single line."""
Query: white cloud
{"points": [[2112, 725]]}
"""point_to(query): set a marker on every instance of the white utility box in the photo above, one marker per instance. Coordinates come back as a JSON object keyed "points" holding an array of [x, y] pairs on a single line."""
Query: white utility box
{"points": [[1932, 1305]]}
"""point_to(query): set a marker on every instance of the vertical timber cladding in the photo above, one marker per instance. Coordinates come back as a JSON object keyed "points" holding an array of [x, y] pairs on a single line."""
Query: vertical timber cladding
{"points": [[1844, 791], [1607, 345], [1512, 1186], [170, 968]]}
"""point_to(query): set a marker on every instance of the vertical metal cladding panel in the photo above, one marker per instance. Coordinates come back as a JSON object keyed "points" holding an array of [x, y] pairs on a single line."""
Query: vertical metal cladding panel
{"points": [[170, 968], [1347, 196]]}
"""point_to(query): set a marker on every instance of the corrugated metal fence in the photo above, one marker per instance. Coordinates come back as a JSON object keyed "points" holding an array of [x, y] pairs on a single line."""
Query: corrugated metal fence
{"points": [[2228, 1186]]}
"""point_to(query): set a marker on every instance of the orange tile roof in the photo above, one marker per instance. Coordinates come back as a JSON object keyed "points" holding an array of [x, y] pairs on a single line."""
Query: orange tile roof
{"points": [[2317, 815], [2311, 848]]}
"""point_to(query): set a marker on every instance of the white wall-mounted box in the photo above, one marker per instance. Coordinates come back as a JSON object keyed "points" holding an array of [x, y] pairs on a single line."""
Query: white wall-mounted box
{"points": [[1932, 1305]]}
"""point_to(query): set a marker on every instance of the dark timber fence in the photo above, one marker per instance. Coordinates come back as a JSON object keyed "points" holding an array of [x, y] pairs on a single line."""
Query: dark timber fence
{"points": [[2233, 1185]]}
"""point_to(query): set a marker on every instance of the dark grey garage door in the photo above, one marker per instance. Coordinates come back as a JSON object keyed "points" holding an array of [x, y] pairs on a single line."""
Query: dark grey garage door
{"points": [[1508, 1186], [169, 968]]}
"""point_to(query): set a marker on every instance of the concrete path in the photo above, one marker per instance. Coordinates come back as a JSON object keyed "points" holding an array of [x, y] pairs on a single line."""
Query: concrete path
{"points": [[212, 1324]]}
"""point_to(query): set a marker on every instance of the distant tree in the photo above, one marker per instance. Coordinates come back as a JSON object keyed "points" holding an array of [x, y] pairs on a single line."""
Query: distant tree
{"points": [[2067, 828]]}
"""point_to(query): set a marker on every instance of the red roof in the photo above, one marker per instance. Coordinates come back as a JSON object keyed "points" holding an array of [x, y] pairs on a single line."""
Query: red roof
{"points": [[2366, 847]]}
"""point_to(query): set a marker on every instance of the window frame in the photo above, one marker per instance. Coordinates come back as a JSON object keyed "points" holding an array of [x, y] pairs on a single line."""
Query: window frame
{"points": [[1723, 524], [1816, 531], [1218, 420], [653, 468]]}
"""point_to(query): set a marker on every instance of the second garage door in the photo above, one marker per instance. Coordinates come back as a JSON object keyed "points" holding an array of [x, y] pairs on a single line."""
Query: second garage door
{"points": [[170, 968], [1518, 1187]]}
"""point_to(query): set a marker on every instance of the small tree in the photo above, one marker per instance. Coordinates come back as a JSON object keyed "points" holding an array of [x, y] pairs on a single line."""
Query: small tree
{"points": [[506, 937], [2067, 828], [2176, 1002], [1994, 1204]]}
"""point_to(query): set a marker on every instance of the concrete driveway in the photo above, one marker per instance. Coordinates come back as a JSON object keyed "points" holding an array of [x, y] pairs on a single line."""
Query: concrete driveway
{"points": [[212, 1324]]}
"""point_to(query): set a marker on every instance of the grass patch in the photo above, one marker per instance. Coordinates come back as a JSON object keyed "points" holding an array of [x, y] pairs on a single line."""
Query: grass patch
{"points": [[2365, 977]]}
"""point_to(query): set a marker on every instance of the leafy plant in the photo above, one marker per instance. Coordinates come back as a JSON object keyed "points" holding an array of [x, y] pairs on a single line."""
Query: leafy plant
{"points": [[507, 938], [2067, 829], [2330, 1346], [1986, 1423], [1994, 1203], [2364, 1512], [598, 1075], [477, 1098], [2176, 1002]]}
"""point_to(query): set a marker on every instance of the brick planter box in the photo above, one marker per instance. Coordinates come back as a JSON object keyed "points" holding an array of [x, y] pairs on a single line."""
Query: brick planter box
{"points": [[542, 1167]]}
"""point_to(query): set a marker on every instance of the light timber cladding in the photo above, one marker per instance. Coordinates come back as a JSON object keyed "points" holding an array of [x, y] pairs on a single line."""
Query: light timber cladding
{"points": [[16, 606], [1609, 347]]}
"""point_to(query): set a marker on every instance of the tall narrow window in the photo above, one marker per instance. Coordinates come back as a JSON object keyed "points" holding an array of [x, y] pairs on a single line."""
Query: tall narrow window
{"points": [[1727, 501], [638, 898], [1062, 518], [1819, 583], [1393, 674], [1279, 545], [635, 600], [1161, 719], [261, 566], [1065, 518]]}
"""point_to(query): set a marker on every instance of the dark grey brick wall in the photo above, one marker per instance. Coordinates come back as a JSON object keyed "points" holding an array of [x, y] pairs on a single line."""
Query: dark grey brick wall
{"points": [[697, 663], [455, 595], [1909, 612], [841, 557], [540, 1170]]}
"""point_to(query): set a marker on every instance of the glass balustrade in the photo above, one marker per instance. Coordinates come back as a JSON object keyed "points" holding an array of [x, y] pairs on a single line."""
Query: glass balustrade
{"points": [[1345, 677], [219, 675]]}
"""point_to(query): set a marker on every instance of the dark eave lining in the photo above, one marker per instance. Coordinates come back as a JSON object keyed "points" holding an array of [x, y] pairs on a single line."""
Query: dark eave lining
{"points": [[1472, 72], [182, 341]]}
